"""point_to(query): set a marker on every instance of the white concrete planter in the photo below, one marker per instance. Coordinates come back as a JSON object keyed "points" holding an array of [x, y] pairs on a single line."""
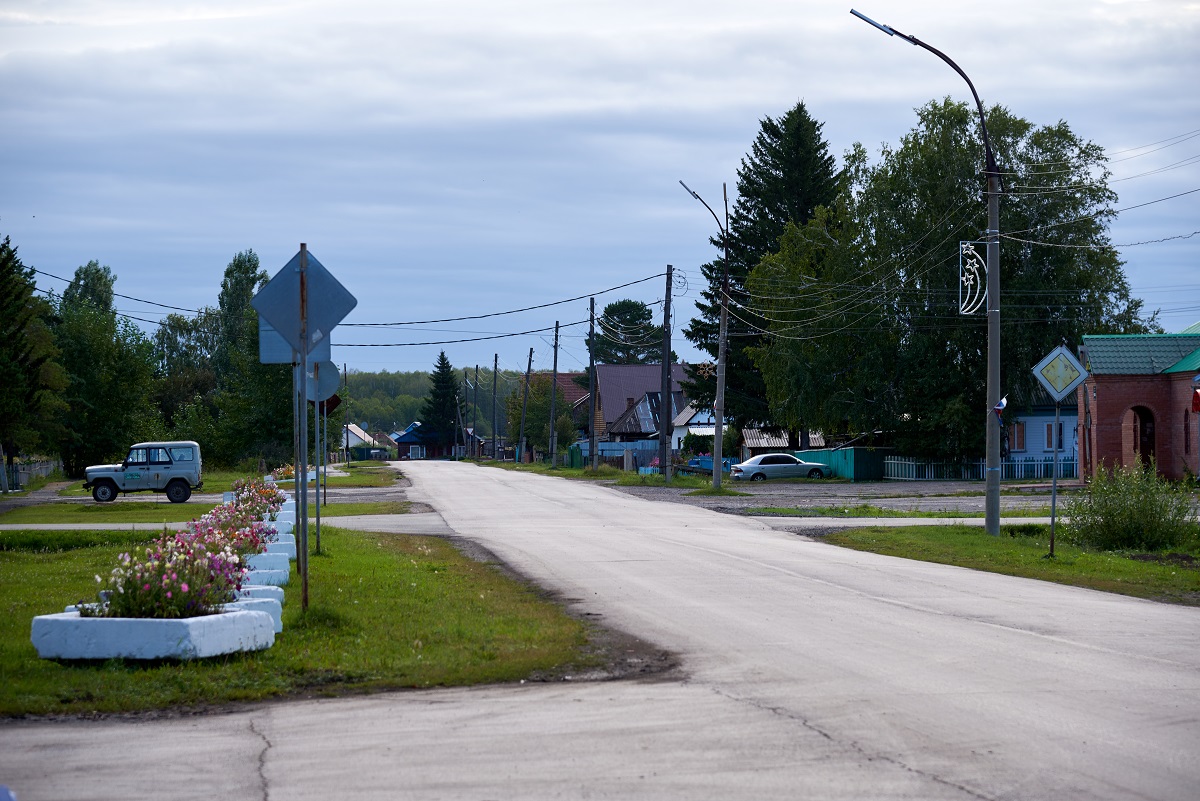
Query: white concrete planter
{"points": [[268, 561], [268, 605], [283, 527], [68, 636], [260, 591], [281, 537], [288, 516], [286, 548], [271, 578]]}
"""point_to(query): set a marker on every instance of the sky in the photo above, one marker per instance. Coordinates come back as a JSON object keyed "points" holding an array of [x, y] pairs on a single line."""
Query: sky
{"points": [[458, 159]]}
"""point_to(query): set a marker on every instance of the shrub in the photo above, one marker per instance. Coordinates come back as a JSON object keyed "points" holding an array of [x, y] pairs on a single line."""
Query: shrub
{"points": [[1131, 509]]}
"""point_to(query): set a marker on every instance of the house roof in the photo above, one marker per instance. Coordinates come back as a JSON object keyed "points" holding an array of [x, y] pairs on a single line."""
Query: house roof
{"points": [[643, 417], [621, 385], [756, 438], [566, 385], [1194, 328], [362, 435], [1137, 354]]}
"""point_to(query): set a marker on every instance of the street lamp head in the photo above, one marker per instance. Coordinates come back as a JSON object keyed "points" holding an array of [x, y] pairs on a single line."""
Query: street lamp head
{"points": [[870, 21], [689, 190]]}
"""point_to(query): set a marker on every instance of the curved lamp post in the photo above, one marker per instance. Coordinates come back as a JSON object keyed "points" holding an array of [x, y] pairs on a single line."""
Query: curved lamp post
{"points": [[992, 503], [719, 402]]}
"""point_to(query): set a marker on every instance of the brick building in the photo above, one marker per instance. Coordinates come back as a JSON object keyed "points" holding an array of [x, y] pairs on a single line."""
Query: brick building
{"points": [[1136, 404]]}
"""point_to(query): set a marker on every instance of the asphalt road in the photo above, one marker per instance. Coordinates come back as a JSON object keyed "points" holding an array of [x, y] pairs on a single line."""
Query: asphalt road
{"points": [[808, 671]]}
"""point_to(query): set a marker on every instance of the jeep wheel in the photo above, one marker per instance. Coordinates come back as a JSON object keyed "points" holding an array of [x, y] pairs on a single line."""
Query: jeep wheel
{"points": [[178, 491], [104, 492]]}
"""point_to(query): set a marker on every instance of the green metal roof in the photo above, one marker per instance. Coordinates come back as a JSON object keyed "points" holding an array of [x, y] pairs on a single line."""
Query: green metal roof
{"points": [[1188, 364], [1194, 328], [1139, 354]]}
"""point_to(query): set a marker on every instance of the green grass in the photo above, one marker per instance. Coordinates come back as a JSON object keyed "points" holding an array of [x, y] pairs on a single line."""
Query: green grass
{"points": [[31, 541], [603, 473], [362, 474], [120, 511], [1021, 550], [385, 612], [867, 510], [722, 492], [363, 508]]}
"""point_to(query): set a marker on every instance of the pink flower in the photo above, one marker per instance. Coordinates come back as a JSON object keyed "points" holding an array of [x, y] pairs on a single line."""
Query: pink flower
{"points": [[184, 587]]}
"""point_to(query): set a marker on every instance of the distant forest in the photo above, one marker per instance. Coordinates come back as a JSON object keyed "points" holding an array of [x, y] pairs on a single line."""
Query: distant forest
{"points": [[388, 401]]}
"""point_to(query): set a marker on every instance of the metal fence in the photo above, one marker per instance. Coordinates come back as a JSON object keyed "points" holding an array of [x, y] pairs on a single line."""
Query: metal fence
{"points": [[904, 468]]}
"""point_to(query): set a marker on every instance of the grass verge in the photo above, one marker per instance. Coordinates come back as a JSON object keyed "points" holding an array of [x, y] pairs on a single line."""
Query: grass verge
{"points": [[385, 612], [603, 473], [1021, 550], [867, 510], [121, 511]]}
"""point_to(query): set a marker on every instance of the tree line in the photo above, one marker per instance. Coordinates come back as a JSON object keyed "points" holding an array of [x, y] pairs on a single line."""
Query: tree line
{"points": [[843, 292]]}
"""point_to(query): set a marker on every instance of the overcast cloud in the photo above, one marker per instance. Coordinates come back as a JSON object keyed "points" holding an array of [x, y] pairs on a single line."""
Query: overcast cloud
{"points": [[459, 158]]}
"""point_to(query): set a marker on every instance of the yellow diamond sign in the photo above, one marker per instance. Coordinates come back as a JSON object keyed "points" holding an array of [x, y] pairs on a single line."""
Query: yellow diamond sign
{"points": [[1060, 373]]}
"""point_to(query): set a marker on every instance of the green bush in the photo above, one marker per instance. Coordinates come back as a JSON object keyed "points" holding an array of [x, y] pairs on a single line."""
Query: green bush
{"points": [[1132, 509]]}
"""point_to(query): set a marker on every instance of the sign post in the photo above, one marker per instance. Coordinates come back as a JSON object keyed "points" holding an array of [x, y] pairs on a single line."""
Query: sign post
{"points": [[1060, 373], [284, 304]]}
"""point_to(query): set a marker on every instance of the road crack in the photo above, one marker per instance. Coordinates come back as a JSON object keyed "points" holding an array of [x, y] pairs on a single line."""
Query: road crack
{"points": [[262, 761], [854, 745]]}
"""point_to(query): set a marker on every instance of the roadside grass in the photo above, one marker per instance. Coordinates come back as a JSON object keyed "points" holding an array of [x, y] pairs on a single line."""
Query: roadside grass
{"points": [[1022, 549], [40, 541], [120, 511], [361, 508], [722, 492], [376, 475], [603, 473], [868, 510], [385, 612], [167, 513]]}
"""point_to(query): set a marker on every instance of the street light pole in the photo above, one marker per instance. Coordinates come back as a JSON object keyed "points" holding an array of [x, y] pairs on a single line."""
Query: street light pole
{"points": [[992, 444], [719, 401]]}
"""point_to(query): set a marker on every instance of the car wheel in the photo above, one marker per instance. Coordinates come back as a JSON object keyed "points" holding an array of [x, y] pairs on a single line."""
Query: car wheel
{"points": [[104, 492], [815, 473], [758, 477], [178, 491]]}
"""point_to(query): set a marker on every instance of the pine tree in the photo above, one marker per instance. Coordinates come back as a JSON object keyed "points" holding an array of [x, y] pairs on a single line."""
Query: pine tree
{"points": [[785, 177]]}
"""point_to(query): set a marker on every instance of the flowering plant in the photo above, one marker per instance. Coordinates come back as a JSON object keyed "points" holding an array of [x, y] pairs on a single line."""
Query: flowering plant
{"points": [[175, 577], [193, 571], [284, 471], [258, 497]]}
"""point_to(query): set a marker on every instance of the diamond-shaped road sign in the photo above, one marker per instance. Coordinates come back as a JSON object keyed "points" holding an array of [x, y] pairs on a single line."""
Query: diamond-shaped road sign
{"points": [[273, 349], [1060, 373], [303, 302]]}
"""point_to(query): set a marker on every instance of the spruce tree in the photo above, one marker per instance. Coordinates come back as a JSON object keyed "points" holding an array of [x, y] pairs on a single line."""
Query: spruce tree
{"points": [[786, 175], [439, 412]]}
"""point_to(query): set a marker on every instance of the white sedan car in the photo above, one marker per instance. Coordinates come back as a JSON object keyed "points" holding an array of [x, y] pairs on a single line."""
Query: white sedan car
{"points": [[777, 465]]}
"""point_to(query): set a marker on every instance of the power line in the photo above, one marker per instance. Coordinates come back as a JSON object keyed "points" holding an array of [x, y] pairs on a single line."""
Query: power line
{"points": [[453, 341], [500, 314]]}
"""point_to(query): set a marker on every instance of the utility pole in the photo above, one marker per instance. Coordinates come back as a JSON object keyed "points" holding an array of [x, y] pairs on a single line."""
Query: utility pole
{"points": [[474, 414], [994, 188], [495, 439], [553, 397], [593, 445], [525, 401], [346, 419], [665, 412], [722, 335]]}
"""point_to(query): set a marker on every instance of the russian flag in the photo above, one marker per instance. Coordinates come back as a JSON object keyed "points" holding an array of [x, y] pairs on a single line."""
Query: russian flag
{"points": [[999, 408]]}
